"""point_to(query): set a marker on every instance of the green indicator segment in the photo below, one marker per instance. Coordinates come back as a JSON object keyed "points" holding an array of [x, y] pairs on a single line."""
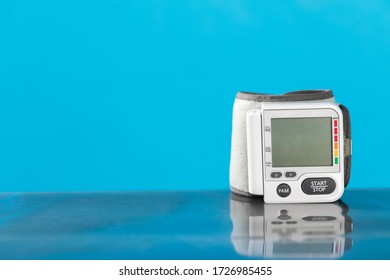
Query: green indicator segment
{"points": [[336, 160]]}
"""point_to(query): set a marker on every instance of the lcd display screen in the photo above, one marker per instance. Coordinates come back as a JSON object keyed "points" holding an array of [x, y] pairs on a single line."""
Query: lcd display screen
{"points": [[301, 142]]}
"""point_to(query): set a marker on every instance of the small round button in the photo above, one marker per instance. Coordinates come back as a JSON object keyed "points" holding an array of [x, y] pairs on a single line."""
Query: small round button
{"points": [[283, 190], [276, 174], [290, 174]]}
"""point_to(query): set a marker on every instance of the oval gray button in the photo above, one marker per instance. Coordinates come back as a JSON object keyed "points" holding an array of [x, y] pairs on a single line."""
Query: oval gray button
{"points": [[318, 186]]}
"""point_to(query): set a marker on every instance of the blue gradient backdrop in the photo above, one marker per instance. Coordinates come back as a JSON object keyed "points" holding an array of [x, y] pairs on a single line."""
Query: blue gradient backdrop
{"points": [[132, 95]]}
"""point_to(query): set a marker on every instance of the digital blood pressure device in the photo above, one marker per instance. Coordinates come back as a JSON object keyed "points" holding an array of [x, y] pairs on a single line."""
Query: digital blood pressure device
{"points": [[290, 148]]}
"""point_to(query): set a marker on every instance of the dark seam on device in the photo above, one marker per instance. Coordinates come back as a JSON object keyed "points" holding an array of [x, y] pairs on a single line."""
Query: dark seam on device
{"points": [[300, 95]]}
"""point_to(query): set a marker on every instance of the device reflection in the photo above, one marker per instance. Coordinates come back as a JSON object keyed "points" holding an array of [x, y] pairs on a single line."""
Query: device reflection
{"points": [[289, 230]]}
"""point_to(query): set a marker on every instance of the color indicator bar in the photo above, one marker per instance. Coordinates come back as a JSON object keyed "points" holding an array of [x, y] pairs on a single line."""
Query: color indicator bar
{"points": [[336, 141]]}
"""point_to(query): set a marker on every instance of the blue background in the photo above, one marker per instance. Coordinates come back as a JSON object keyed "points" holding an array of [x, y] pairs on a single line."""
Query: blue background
{"points": [[122, 95]]}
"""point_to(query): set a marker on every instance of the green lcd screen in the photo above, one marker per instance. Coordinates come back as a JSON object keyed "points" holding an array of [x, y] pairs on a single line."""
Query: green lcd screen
{"points": [[301, 142]]}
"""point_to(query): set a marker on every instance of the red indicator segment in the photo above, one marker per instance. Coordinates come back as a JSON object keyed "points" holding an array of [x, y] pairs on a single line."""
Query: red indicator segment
{"points": [[336, 138], [335, 130], [335, 123]]}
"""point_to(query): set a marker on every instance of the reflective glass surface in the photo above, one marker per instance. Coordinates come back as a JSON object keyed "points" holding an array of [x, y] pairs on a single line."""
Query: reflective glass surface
{"points": [[191, 225]]}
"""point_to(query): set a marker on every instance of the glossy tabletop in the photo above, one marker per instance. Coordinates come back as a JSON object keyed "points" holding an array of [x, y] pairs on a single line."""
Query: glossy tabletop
{"points": [[191, 225]]}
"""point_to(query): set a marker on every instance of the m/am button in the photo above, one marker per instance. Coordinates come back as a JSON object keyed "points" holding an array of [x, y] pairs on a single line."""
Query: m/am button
{"points": [[290, 174], [283, 190]]}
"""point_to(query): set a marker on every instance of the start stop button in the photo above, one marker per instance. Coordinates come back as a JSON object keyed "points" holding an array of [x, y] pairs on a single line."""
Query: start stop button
{"points": [[318, 186]]}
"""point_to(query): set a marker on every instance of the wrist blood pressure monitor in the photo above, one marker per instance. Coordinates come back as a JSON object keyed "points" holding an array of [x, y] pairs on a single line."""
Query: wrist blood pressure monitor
{"points": [[290, 148]]}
